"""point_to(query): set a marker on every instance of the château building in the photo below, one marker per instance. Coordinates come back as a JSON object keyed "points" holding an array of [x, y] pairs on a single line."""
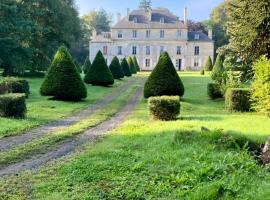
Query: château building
{"points": [[146, 33]]}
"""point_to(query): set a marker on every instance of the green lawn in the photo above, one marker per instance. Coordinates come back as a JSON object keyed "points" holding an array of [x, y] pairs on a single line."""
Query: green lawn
{"points": [[145, 159], [42, 111]]}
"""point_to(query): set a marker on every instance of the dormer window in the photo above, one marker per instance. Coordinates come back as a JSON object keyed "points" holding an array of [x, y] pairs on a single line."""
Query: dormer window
{"points": [[162, 20], [197, 36], [135, 20]]}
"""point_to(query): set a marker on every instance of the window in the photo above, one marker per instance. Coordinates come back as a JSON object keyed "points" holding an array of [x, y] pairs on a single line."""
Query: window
{"points": [[196, 63], [148, 33], [120, 34], [135, 20], [162, 34], [178, 50], [148, 50], [105, 50], [197, 36], [178, 34], [134, 50], [179, 64], [162, 20], [147, 62], [197, 50], [161, 49], [119, 50], [134, 34]]}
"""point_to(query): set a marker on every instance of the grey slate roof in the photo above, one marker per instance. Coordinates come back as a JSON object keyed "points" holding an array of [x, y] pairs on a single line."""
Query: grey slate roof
{"points": [[202, 36], [143, 20]]}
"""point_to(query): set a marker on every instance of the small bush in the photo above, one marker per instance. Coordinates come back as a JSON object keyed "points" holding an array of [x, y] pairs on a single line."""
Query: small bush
{"points": [[132, 65], [99, 73], [164, 108], [202, 72], [63, 80], [164, 80], [218, 73], [261, 86], [208, 65], [14, 85], [213, 91], [238, 99], [12, 105], [116, 69], [86, 65], [135, 61], [125, 67]]}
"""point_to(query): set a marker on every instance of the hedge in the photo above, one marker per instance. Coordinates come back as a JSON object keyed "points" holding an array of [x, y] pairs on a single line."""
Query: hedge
{"points": [[12, 105], [63, 80], [164, 80], [116, 69], [125, 67], [213, 91], [164, 108], [14, 85], [238, 99]]}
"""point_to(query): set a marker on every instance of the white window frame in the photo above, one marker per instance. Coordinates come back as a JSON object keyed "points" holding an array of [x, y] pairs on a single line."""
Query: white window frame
{"points": [[134, 33], [162, 34], [148, 33], [119, 50], [147, 63], [148, 50], [178, 50], [120, 34], [197, 50], [134, 50]]}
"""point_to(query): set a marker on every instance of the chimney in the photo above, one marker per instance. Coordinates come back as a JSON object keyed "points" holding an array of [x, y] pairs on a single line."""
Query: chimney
{"points": [[210, 33], [118, 17], [185, 16], [128, 11]]}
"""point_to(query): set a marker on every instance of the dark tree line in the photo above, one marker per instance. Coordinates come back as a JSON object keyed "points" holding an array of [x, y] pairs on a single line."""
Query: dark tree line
{"points": [[32, 30]]}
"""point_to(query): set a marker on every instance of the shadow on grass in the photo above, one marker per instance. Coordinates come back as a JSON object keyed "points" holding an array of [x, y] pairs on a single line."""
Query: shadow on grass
{"points": [[201, 118]]}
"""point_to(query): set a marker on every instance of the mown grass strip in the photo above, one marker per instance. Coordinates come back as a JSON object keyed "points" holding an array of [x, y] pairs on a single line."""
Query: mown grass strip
{"points": [[50, 140]]}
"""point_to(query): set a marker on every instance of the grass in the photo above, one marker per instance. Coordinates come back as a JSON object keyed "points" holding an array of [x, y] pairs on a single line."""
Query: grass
{"points": [[50, 140], [146, 159], [41, 111]]}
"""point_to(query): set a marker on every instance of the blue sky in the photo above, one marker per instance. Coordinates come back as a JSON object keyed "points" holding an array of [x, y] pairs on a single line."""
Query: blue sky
{"points": [[198, 9]]}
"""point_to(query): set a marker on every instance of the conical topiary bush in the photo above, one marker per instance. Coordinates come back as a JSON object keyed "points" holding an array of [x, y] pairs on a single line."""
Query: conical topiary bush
{"points": [[99, 73], [63, 80], [116, 69], [135, 61], [164, 80], [78, 66], [86, 65], [125, 67], [208, 65], [218, 70], [131, 65]]}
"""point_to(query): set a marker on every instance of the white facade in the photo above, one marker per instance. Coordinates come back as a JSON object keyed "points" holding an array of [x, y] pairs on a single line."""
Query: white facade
{"points": [[147, 33]]}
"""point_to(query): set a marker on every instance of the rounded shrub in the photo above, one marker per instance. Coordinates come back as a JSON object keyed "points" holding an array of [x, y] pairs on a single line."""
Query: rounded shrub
{"points": [[164, 108], [131, 65], [63, 80], [164, 80], [116, 69], [14, 85], [86, 65], [125, 67], [213, 91], [238, 99], [135, 61], [208, 65], [99, 73], [12, 105]]}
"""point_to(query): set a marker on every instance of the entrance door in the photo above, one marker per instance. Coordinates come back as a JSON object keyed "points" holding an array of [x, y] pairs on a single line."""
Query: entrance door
{"points": [[179, 64]]}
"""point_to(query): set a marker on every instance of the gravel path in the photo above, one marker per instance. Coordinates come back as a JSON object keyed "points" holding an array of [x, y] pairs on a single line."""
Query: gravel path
{"points": [[10, 142], [71, 145]]}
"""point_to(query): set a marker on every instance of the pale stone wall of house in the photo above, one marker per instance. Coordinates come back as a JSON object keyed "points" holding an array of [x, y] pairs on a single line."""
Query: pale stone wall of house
{"points": [[169, 42]]}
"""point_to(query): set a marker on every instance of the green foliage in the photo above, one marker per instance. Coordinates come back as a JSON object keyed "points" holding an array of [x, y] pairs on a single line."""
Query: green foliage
{"points": [[261, 86], [87, 65], [213, 91], [14, 85], [116, 69], [99, 73], [202, 72], [135, 61], [125, 67], [164, 80], [164, 108], [78, 66], [208, 65], [131, 65], [218, 73], [238, 99], [63, 80], [12, 105], [249, 32]]}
